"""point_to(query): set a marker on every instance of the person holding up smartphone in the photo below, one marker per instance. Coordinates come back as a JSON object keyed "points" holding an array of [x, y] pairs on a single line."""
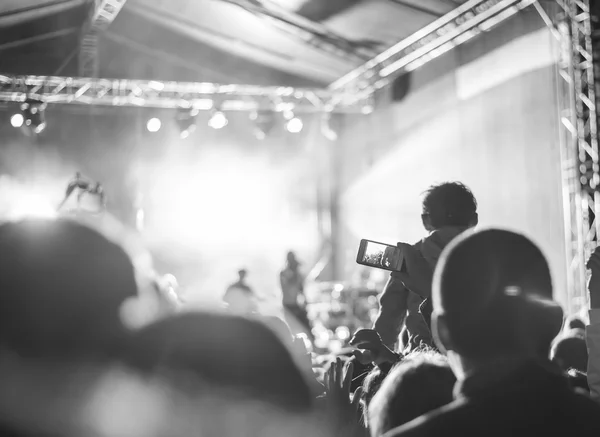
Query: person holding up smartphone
{"points": [[448, 209]]}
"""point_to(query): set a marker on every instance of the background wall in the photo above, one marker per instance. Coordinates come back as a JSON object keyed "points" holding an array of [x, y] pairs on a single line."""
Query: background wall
{"points": [[484, 114]]}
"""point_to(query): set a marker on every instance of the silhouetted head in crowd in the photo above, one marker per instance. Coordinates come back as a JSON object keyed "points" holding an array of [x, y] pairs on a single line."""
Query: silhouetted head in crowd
{"points": [[492, 299], [223, 353], [242, 274], [371, 385], [449, 204], [570, 352], [292, 261], [575, 323], [421, 383], [279, 327], [61, 290]]}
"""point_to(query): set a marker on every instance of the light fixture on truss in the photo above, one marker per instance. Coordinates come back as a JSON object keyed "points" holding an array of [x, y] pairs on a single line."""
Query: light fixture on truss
{"points": [[32, 111], [294, 125], [218, 119], [17, 120], [153, 125]]}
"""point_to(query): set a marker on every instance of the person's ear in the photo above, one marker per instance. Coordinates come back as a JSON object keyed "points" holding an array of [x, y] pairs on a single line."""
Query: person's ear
{"points": [[426, 219], [474, 221], [441, 334]]}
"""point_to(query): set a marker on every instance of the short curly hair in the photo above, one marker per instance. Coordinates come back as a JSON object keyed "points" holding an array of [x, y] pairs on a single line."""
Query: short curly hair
{"points": [[449, 204]]}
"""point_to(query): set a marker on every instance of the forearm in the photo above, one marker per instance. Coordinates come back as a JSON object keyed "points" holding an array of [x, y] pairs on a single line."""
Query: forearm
{"points": [[393, 304]]}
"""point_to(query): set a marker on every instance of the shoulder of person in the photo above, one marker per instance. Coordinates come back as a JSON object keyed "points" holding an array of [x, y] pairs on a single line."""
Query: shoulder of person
{"points": [[443, 421]]}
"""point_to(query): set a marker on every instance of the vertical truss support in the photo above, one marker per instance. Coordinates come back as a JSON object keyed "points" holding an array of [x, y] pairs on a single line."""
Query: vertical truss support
{"points": [[103, 14], [579, 142]]}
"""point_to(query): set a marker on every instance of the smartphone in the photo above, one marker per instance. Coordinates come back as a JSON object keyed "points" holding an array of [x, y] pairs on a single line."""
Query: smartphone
{"points": [[380, 255]]}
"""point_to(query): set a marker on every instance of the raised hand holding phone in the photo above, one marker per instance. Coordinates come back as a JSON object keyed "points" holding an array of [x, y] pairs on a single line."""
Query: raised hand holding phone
{"points": [[370, 348], [418, 274]]}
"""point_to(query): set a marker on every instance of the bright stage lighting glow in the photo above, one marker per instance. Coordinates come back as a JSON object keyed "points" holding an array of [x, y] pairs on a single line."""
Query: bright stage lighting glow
{"points": [[295, 125], [33, 206], [154, 125], [17, 120], [218, 120]]}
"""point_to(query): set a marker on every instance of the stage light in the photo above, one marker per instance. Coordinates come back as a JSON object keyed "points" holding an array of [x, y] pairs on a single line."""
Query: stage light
{"points": [[294, 125], [154, 125], [186, 120], [218, 120], [33, 115], [17, 120]]}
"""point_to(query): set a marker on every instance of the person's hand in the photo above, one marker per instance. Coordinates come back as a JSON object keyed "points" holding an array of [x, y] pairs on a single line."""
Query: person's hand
{"points": [[418, 275], [338, 381], [594, 284], [370, 348]]}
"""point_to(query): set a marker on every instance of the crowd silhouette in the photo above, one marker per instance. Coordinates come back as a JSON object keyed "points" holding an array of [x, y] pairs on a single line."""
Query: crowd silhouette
{"points": [[468, 342]]}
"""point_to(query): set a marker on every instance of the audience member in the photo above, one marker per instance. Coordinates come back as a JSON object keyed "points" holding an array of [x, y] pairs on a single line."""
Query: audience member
{"points": [[494, 315], [239, 297], [448, 209], [421, 383], [222, 353], [592, 332], [61, 290], [371, 385], [294, 300], [570, 352]]}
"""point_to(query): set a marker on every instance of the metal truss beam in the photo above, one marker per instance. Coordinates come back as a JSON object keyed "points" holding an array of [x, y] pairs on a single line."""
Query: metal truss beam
{"points": [[579, 141], [449, 31], [158, 94], [104, 13]]}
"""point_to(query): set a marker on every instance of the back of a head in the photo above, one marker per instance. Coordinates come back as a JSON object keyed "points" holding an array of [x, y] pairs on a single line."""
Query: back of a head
{"points": [[450, 204], [570, 352], [371, 384], [416, 386], [222, 352], [575, 323], [61, 289], [492, 294]]}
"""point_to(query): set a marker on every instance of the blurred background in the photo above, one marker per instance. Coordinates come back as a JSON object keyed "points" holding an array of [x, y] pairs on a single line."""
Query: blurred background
{"points": [[240, 189]]}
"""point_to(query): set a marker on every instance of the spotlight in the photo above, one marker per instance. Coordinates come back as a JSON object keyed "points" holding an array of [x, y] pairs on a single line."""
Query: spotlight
{"points": [[154, 125], [218, 120], [294, 125], [33, 115], [186, 120], [17, 120]]}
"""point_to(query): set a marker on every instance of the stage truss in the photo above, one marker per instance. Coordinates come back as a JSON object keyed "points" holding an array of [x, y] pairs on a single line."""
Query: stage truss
{"points": [[103, 14], [572, 26], [351, 93]]}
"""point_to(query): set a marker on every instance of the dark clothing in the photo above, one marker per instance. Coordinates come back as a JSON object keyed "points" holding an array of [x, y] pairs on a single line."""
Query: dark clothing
{"points": [[297, 318], [531, 399]]}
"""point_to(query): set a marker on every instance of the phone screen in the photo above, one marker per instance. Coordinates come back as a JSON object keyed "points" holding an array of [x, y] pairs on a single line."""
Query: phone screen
{"points": [[380, 255]]}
